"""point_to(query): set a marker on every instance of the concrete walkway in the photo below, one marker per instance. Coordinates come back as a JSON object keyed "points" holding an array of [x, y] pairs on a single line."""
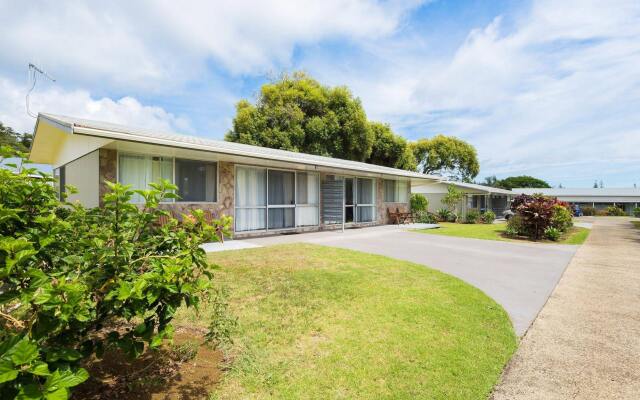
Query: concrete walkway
{"points": [[519, 276], [585, 344]]}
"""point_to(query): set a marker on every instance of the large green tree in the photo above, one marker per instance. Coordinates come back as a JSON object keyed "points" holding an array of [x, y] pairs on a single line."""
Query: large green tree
{"points": [[297, 113], [389, 149], [522, 181], [448, 156], [13, 139]]}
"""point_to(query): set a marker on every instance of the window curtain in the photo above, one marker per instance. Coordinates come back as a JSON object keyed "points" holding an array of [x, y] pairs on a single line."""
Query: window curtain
{"points": [[389, 191], [307, 196], [281, 184], [133, 170], [196, 180], [365, 195], [251, 199], [402, 191]]}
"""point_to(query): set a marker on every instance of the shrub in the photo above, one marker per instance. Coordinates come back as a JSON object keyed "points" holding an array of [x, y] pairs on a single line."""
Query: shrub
{"points": [[615, 211], [552, 233], [515, 226], [588, 211], [418, 202], [561, 218], [636, 212], [425, 217], [68, 279], [452, 198], [536, 212], [488, 217], [444, 214], [472, 216]]}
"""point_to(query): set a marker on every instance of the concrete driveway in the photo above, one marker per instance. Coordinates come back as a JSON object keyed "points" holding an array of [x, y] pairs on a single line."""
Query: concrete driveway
{"points": [[518, 276]]}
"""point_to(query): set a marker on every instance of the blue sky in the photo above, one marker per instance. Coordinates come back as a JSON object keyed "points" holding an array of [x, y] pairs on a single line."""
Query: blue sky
{"points": [[546, 88]]}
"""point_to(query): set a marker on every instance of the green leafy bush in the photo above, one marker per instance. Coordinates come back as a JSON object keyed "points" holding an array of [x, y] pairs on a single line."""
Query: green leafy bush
{"points": [[636, 212], [444, 214], [552, 233], [561, 218], [472, 216], [425, 217], [515, 226], [70, 276], [588, 211], [614, 211], [419, 202], [488, 217]]}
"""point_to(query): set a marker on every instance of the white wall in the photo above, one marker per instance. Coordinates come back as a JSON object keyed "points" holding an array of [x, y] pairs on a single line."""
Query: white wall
{"points": [[83, 175]]}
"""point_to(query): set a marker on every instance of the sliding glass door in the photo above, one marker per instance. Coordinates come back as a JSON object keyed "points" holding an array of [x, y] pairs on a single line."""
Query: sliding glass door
{"points": [[272, 199]]}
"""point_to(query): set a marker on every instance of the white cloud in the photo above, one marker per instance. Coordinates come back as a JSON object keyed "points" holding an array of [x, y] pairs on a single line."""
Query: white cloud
{"points": [[79, 103], [558, 91], [158, 45]]}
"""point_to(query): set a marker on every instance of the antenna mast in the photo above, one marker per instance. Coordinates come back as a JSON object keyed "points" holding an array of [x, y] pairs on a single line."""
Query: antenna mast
{"points": [[32, 79]]}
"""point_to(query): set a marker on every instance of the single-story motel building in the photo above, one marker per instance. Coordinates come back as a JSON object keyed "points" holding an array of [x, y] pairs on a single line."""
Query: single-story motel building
{"points": [[599, 198], [478, 197], [264, 190]]}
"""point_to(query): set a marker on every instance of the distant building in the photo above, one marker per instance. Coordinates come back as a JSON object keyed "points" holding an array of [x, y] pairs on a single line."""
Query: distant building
{"points": [[599, 198]]}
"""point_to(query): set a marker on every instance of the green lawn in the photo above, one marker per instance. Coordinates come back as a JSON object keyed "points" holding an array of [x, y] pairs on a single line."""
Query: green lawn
{"points": [[576, 235], [319, 322], [636, 224]]}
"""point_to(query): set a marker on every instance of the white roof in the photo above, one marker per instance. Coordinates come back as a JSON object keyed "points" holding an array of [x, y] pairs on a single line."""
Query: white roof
{"points": [[479, 188], [120, 132], [582, 192]]}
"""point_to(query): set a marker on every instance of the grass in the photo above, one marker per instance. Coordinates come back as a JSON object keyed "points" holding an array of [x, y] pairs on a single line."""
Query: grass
{"points": [[319, 322], [576, 235], [636, 224]]}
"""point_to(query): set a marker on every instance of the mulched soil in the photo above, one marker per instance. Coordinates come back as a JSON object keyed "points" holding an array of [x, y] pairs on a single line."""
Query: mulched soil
{"points": [[160, 374]]}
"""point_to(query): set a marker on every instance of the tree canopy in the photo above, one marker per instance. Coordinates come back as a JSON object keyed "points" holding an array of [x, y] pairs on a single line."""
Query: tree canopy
{"points": [[297, 113], [522, 181], [15, 140], [448, 156]]}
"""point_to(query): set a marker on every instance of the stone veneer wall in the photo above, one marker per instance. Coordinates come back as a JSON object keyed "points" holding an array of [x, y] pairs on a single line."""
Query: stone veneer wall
{"points": [[383, 207], [107, 170], [108, 160]]}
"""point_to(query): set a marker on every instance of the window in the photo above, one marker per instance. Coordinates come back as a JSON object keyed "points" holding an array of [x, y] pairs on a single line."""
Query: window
{"points": [[307, 199], [196, 180], [251, 199], [396, 191], [60, 180], [141, 170]]}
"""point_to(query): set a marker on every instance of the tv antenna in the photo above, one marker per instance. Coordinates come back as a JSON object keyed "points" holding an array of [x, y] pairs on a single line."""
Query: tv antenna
{"points": [[34, 71]]}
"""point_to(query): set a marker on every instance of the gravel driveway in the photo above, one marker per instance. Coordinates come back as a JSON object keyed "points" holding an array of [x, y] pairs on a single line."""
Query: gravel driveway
{"points": [[585, 344], [518, 276]]}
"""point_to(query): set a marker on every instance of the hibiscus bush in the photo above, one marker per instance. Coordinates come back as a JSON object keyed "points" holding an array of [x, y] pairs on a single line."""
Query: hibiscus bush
{"points": [[74, 280]]}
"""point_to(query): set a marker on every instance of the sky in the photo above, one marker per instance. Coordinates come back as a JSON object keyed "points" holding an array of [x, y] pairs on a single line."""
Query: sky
{"points": [[545, 88]]}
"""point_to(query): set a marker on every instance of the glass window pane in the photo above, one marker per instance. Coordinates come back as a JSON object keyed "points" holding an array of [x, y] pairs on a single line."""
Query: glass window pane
{"points": [[389, 191], [161, 168], [196, 180], [250, 219], [281, 184], [365, 191], [402, 192], [307, 188], [348, 191], [251, 187], [366, 213], [306, 215], [280, 218], [134, 170]]}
